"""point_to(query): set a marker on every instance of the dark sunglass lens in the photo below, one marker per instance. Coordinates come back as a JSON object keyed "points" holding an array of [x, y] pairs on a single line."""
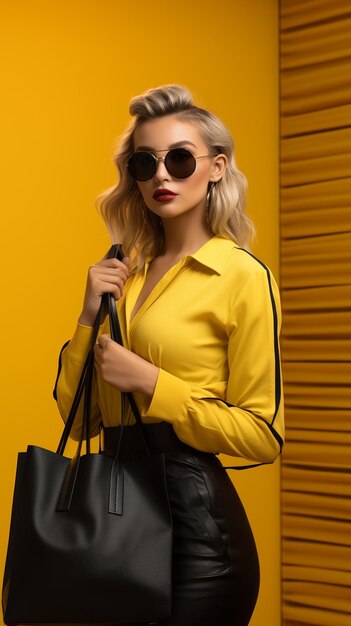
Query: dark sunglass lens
{"points": [[180, 163], [142, 166]]}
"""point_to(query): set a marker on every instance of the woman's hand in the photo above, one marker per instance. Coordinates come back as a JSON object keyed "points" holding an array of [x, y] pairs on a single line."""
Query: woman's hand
{"points": [[107, 276], [124, 369]]}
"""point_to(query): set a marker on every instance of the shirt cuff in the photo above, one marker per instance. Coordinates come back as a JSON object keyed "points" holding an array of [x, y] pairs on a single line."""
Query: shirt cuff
{"points": [[80, 343], [170, 399]]}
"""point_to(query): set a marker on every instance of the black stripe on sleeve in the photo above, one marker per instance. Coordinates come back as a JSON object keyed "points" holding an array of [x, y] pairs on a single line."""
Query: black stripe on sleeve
{"points": [[269, 426], [54, 393], [278, 384]]}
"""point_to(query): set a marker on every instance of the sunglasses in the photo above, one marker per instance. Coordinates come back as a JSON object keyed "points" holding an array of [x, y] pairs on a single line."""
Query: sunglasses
{"points": [[179, 162]]}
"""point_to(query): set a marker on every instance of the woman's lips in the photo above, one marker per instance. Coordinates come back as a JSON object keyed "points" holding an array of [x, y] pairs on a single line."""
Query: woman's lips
{"points": [[164, 195]]}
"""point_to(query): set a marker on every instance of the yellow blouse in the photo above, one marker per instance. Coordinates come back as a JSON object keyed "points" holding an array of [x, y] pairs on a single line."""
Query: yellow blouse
{"points": [[211, 326]]}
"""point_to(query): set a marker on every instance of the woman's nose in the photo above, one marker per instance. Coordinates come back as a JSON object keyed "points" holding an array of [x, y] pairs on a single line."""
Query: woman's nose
{"points": [[161, 170]]}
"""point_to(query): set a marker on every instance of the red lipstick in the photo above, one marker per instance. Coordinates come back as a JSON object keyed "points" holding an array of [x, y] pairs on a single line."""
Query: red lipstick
{"points": [[164, 195]]}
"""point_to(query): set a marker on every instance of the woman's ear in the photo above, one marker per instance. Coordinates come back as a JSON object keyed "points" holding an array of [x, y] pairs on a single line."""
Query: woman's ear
{"points": [[219, 165]]}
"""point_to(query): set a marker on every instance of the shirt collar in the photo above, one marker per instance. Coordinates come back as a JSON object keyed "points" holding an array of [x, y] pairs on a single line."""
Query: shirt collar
{"points": [[214, 253]]}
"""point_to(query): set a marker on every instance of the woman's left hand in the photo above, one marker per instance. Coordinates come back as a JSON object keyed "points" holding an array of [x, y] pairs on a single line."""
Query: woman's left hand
{"points": [[124, 369]]}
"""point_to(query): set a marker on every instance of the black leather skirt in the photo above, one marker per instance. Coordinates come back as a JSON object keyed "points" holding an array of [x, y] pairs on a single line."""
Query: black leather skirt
{"points": [[215, 563]]}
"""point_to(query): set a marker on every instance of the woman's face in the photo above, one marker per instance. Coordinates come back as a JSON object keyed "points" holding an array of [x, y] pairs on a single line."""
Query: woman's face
{"points": [[187, 194]]}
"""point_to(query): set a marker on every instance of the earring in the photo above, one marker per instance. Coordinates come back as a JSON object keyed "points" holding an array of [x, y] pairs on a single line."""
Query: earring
{"points": [[144, 214], [209, 195], [210, 188], [209, 200]]}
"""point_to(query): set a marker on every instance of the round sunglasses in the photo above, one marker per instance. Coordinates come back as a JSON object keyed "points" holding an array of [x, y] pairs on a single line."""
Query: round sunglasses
{"points": [[179, 162]]}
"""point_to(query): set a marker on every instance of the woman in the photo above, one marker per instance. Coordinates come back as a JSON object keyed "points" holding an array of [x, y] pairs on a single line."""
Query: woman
{"points": [[200, 320]]}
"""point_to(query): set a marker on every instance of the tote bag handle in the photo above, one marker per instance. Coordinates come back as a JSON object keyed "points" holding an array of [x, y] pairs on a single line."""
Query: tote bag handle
{"points": [[85, 385]]}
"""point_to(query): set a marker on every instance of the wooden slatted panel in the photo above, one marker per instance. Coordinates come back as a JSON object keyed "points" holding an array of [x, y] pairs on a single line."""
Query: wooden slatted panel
{"points": [[319, 209], [315, 80]]}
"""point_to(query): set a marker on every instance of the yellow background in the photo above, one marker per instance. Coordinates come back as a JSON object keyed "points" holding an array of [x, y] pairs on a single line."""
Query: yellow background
{"points": [[69, 71]]}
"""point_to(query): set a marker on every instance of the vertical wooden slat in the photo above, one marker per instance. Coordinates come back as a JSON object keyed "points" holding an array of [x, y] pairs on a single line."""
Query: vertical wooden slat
{"points": [[315, 105]]}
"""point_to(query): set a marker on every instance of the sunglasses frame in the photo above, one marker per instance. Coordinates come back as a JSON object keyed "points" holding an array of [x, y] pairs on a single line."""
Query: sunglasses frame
{"points": [[163, 159]]}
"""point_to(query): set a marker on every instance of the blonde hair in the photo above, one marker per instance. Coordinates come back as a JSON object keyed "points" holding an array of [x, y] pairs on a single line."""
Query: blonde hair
{"points": [[127, 218]]}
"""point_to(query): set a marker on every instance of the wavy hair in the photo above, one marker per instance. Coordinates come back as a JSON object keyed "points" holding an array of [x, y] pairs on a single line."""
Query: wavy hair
{"points": [[128, 219]]}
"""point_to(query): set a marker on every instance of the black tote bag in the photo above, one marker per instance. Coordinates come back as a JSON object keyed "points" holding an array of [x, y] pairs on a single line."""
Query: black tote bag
{"points": [[90, 537]]}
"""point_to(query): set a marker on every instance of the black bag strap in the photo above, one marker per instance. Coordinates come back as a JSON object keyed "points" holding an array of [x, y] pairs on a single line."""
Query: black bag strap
{"points": [[116, 335], [108, 305], [81, 386]]}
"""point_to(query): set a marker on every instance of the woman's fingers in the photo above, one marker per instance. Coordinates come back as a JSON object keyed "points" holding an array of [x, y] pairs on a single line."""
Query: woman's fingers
{"points": [[115, 264], [107, 276], [124, 369], [110, 267], [107, 273], [103, 341]]}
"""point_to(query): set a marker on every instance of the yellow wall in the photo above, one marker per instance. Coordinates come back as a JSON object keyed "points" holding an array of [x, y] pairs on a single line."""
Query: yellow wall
{"points": [[70, 70]]}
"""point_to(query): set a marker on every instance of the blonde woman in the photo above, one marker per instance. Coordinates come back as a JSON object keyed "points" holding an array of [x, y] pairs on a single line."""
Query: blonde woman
{"points": [[200, 319]]}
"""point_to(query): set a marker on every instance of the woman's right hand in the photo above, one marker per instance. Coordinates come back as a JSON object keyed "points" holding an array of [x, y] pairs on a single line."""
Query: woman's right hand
{"points": [[107, 276]]}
